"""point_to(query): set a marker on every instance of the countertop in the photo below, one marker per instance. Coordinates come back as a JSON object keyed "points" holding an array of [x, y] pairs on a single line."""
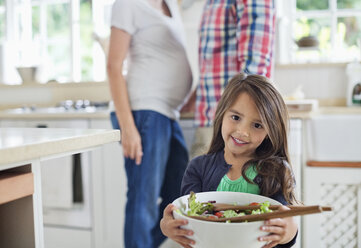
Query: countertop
{"points": [[324, 111], [56, 113], [25, 144], [335, 110]]}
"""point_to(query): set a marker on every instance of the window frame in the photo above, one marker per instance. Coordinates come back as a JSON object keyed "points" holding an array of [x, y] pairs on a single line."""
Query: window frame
{"points": [[287, 15], [11, 32]]}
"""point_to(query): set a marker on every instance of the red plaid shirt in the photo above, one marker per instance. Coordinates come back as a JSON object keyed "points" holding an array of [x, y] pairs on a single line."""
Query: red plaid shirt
{"points": [[235, 36]]}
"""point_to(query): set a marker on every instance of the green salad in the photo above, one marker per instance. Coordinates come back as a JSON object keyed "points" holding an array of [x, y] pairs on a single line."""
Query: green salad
{"points": [[206, 209]]}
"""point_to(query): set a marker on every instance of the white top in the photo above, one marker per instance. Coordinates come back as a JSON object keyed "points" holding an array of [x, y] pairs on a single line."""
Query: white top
{"points": [[159, 75], [25, 144]]}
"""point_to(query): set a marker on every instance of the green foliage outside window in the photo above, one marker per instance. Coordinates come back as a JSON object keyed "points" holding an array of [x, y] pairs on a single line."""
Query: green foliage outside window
{"points": [[86, 40], [59, 58], [36, 21], [312, 4], [58, 33], [310, 27], [350, 29], [58, 20], [2, 25], [2, 19], [349, 4]]}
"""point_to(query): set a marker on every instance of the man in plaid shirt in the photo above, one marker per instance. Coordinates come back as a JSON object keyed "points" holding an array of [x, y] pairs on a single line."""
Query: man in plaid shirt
{"points": [[235, 36]]}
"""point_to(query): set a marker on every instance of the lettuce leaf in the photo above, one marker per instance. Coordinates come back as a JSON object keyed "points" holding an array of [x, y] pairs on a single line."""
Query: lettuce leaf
{"points": [[197, 208]]}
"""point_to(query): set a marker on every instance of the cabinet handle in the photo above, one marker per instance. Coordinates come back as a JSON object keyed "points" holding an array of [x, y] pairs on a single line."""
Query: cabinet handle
{"points": [[42, 126]]}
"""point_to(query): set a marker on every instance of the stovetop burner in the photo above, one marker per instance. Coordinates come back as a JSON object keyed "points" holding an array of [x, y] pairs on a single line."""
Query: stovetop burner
{"points": [[67, 106], [82, 104]]}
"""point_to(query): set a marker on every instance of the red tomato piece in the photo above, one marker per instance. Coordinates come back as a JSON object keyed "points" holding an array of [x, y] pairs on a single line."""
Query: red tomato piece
{"points": [[211, 217], [254, 204], [218, 214]]}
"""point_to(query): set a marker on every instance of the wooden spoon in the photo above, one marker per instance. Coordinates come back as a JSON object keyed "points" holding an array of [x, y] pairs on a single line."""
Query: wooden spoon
{"points": [[266, 216]]}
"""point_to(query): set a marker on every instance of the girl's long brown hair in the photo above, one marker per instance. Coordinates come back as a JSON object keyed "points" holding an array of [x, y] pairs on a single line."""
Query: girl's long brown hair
{"points": [[271, 157]]}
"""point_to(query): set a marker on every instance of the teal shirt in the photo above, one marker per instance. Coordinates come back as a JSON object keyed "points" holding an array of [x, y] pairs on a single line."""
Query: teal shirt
{"points": [[240, 184]]}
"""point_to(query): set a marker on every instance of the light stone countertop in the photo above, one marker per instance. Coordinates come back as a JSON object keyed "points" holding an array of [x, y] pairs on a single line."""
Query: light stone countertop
{"points": [[337, 110], [334, 110], [25, 144], [54, 113]]}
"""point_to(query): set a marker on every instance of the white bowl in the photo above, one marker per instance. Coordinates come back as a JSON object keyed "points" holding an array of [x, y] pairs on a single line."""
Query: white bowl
{"points": [[218, 234]]}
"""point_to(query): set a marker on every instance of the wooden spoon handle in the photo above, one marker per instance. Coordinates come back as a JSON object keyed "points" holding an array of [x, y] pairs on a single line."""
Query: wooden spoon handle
{"points": [[224, 206], [276, 214], [324, 208], [279, 214]]}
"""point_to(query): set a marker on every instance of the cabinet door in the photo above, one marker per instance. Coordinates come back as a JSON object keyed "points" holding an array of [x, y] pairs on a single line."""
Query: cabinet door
{"points": [[109, 191], [188, 130], [57, 237], [295, 151], [341, 189]]}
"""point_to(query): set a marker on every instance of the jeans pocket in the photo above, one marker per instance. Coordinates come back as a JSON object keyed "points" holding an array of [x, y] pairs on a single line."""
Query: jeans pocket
{"points": [[114, 120]]}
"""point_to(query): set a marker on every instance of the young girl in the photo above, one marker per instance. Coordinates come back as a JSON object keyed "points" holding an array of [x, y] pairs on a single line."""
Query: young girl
{"points": [[248, 153]]}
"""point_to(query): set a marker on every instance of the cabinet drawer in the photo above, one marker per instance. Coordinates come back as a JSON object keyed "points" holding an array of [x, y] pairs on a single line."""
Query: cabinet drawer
{"points": [[14, 186], [55, 237]]}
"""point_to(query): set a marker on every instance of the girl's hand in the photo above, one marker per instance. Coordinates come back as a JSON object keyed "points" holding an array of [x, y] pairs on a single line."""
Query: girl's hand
{"points": [[281, 231], [171, 228], [132, 144]]}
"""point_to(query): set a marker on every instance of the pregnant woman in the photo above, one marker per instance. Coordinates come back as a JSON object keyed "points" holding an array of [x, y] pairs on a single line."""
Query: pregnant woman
{"points": [[147, 102]]}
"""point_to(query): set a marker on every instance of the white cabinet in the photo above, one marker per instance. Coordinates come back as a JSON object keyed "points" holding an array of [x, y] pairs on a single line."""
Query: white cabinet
{"points": [[295, 150], [65, 210], [98, 223], [332, 177], [57, 237], [341, 189], [109, 196], [188, 130], [295, 153]]}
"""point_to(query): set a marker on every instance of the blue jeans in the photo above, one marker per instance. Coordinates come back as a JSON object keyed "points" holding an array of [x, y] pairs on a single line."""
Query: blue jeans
{"points": [[164, 161]]}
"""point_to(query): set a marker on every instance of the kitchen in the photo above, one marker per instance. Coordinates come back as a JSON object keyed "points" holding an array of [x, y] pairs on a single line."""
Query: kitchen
{"points": [[315, 83]]}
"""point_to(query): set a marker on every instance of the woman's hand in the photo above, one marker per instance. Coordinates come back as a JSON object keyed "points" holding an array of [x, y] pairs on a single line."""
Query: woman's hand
{"points": [[132, 144], [190, 105], [281, 231], [119, 44], [171, 228]]}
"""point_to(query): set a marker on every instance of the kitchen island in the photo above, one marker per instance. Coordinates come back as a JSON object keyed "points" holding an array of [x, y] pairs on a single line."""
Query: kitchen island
{"points": [[21, 151]]}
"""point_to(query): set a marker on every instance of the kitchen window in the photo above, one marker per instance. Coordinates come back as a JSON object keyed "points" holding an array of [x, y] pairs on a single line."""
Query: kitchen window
{"points": [[56, 36], [320, 31], [2, 19]]}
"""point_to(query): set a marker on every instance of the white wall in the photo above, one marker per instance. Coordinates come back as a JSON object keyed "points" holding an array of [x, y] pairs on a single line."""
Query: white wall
{"points": [[321, 81], [191, 17], [51, 94]]}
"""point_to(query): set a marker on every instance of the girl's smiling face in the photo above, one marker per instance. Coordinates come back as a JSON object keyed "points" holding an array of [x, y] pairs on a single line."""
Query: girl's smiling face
{"points": [[242, 129]]}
